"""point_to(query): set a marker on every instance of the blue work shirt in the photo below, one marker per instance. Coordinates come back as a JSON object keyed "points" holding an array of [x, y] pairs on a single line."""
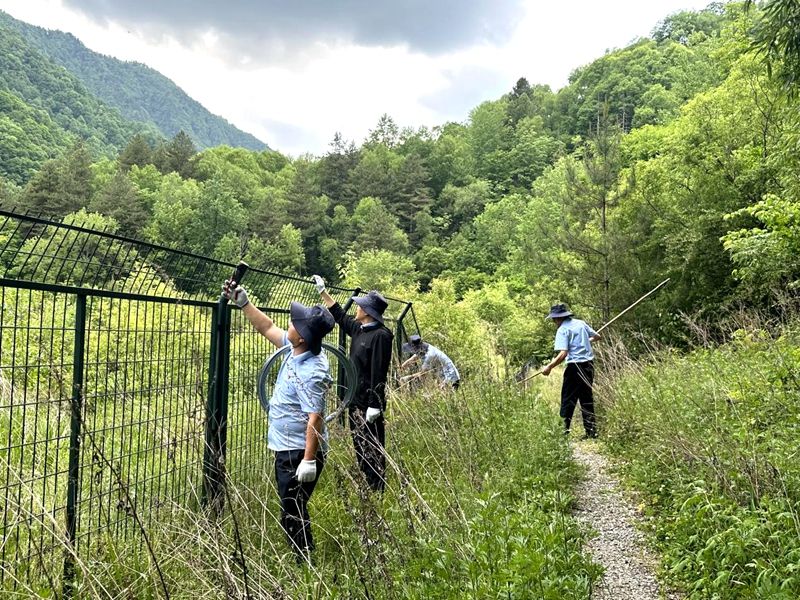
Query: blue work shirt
{"points": [[573, 336], [300, 389], [438, 360]]}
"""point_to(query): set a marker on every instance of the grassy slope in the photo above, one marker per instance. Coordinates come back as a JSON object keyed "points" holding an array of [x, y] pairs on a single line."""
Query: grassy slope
{"points": [[710, 439], [478, 506]]}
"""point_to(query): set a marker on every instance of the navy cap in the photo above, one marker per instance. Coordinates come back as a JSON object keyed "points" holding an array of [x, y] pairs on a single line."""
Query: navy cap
{"points": [[373, 304], [312, 323], [559, 311], [414, 344]]}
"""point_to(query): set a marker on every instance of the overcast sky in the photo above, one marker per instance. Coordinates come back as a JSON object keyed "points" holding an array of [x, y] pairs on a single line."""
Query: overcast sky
{"points": [[294, 72]]}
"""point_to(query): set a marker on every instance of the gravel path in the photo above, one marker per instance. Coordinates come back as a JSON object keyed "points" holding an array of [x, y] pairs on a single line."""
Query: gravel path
{"points": [[619, 546]]}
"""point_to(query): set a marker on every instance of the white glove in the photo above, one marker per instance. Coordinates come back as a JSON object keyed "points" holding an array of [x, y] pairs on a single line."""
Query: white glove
{"points": [[372, 414], [235, 293], [319, 283], [306, 471]]}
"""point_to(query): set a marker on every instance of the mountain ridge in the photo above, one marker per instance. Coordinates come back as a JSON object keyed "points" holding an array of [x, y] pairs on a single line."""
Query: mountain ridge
{"points": [[138, 92]]}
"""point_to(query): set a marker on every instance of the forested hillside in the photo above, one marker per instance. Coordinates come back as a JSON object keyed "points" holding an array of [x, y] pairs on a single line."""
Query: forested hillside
{"points": [[43, 106], [655, 161], [674, 157], [139, 93]]}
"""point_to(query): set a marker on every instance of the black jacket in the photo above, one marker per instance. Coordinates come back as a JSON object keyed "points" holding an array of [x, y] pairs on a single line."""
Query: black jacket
{"points": [[371, 353]]}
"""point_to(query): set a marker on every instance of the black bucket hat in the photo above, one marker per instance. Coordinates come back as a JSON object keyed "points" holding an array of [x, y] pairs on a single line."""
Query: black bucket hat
{"points": [[559, 311], [312, 323], [373, 304], [414, 345]]}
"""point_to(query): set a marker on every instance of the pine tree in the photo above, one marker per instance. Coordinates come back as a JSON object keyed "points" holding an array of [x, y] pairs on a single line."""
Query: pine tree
{"points": [[137, 152], [119, 200]]}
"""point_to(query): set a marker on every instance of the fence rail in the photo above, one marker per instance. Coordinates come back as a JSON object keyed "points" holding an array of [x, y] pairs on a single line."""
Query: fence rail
{"points": [[127, 387]]}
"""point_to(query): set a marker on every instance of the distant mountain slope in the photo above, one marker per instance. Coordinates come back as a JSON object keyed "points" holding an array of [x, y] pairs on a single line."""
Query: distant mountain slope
{"points": [[43, 108], [139, 92]]}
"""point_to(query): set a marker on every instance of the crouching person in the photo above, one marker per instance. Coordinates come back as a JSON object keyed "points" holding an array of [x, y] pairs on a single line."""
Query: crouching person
{"points": [[297, 433]]}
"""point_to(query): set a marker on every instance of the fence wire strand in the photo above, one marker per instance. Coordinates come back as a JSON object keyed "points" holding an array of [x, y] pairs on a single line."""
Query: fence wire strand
{"points": [[142, 318]]}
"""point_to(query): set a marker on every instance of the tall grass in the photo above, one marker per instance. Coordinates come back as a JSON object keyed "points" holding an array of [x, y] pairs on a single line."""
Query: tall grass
{"points": [[711, 441], [477, 506]]}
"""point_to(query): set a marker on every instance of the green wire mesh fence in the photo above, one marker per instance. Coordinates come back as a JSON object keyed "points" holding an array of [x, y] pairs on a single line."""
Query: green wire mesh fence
{"points": [[126, 388]]}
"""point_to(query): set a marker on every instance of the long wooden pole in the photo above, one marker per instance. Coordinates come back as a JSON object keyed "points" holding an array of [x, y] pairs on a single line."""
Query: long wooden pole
{"points": [[648, 294]]}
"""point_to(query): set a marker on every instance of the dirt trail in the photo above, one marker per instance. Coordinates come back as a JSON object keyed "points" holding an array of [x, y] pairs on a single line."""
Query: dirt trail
{"points": [[618, 546]]}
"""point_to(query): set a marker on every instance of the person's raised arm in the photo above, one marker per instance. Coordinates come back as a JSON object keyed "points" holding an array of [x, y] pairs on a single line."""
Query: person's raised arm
{"points": [[345, 321], [262, 323], [319, 283]]}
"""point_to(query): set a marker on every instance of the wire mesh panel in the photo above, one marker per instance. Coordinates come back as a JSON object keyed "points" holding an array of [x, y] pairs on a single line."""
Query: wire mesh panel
{"points": [[120, 368], [146, 385], [36, 347]]}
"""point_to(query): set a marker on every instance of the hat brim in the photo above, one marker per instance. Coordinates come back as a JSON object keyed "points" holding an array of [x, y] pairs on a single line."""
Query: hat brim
{"points": [[363, 303], [409, 348], [559, 315]]}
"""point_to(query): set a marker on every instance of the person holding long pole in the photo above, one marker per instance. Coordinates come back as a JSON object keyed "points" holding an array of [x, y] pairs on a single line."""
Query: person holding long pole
{"points": [[573, 343], [297, 433], [371, 352]]}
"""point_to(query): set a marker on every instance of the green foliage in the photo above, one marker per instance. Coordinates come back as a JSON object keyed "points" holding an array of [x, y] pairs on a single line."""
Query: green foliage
{"points": [[777, 37], [477, 505], [120, 200], [382, 270], [175, 156], [194, 216], [58, 247], [139, 93], [625, 81], [62, 186], [28, 137], [769, 254], [376, 228], [59, 103], [710, 443], [511, 199], [138, 152], [281, 252], [517, 325], [456, 327]]}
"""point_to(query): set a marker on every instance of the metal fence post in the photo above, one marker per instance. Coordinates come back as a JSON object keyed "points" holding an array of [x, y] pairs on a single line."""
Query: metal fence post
{"points": [[212, 475], [400, 329], [76, 407], [223, 377]]}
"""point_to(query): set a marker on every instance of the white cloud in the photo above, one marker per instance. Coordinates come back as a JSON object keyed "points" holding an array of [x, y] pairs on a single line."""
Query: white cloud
{"points": [[297, 105]]}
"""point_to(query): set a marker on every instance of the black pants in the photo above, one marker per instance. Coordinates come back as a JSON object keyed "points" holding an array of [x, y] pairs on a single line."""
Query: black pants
{"points": [[294, 496], [577, 387], [369, 440]]}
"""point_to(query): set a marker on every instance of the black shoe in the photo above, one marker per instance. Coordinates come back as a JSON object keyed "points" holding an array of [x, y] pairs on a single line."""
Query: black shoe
{"points": [[589, 436]]}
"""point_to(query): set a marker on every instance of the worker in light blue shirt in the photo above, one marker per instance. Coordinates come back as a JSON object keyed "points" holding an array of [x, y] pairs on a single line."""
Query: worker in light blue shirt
{"points": [[432, 359], [299, 391], [574, 344], [297, 433]]}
